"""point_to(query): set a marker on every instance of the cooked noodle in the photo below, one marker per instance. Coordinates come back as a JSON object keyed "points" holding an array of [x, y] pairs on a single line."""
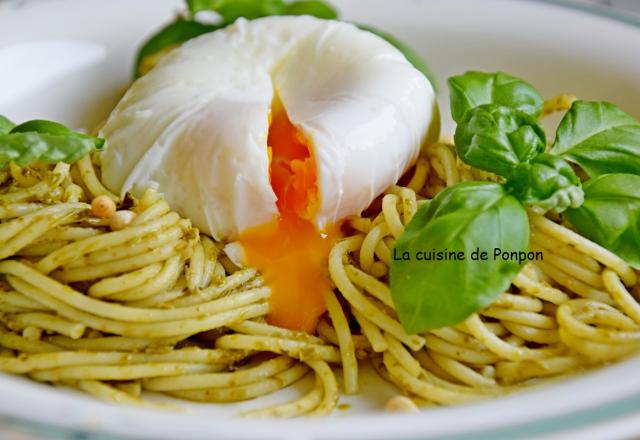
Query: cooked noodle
{"points": [[158, 306], [571, 311], [115, 312]]}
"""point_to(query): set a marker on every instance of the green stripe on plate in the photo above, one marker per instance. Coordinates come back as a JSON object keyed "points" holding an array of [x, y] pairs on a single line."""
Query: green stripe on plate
{"points": [[599, 10]]}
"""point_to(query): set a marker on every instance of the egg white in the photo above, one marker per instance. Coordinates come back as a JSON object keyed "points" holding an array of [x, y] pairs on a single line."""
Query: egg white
{"points": [[197, 124]]}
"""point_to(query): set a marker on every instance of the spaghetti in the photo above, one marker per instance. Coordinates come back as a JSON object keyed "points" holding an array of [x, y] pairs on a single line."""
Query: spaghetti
{"points": [[571, 311], [158, 306], [154, 306]]}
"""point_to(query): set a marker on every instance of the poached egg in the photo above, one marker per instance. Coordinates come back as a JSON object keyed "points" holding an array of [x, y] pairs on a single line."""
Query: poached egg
{"points": [[269, 133]]}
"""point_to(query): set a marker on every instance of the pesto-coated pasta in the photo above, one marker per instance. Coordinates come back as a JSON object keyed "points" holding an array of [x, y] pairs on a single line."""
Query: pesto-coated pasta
{"points": [[158, 306]]}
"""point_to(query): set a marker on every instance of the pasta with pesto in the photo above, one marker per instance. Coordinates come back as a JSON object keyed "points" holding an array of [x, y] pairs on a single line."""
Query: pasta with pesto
{"points": [[148, 307], [153, 304], [221, 248]]}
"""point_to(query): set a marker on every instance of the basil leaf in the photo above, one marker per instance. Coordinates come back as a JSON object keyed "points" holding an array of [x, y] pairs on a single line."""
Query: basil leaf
{"points": [[167, 38], [55, 128], [182, 29], [42, 126], [26, 148], [45, 141], [231, 10], [314, 8], [496, 138], [5, 125], [599, 137], [610, 215], [547, 181], [473, 89], [196, 6], [463, 218], [416, 60]]}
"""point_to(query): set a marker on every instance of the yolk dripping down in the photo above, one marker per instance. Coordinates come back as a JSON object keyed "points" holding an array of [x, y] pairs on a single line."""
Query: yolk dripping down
{"points": [[291, 252]]}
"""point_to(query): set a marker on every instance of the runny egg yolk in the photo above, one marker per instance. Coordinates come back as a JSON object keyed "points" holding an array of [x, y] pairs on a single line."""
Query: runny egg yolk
{"points": [[290, 251]]}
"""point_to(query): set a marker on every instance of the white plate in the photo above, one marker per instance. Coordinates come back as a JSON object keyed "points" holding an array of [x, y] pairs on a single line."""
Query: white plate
{"points": [[70, 59]]}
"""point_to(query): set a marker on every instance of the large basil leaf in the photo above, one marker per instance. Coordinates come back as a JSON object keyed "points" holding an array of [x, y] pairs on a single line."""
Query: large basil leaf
{"points": [[497, 138], [167, 38], [314, 8], [231, 10], [44, 141], [610, 215], [599, 137], [42, 126], [473, 89], [5, 125], [463, 218], [547, 181], [183, 29]]}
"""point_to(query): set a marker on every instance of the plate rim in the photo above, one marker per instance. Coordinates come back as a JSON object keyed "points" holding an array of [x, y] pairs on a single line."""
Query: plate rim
{"points": [[608, 412]]}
